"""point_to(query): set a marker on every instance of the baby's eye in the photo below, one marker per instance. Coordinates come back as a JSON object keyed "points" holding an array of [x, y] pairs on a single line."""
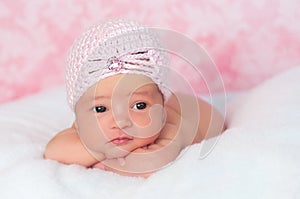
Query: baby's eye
{"points": [[99, 109], [140, 106]]}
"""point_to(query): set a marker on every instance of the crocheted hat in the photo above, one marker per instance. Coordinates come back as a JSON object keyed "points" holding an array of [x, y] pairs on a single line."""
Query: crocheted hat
{"points": [[113, 47]]}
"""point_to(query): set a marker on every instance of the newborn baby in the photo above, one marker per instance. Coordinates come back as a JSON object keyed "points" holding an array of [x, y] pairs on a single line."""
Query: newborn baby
{"points": [[128, 120]]}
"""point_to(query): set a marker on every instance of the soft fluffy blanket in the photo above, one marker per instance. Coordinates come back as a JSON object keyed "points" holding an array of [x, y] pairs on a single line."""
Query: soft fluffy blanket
{"points": [[256, 157]]}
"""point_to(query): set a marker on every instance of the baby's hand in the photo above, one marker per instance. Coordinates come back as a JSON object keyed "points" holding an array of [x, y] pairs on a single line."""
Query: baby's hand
{"points": [[100, 165], [120, 162]]}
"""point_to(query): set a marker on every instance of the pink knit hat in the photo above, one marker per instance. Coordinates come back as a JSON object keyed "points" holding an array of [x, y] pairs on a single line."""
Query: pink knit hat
{"points": [[113, 47]]}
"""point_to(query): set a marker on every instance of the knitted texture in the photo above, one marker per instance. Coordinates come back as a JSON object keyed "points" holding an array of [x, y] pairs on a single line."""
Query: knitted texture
{"points": [[113, 47]]}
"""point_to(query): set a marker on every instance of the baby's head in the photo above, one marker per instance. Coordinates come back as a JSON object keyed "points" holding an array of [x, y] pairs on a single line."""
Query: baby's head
{"points": [[117, 84], [116, 46]]}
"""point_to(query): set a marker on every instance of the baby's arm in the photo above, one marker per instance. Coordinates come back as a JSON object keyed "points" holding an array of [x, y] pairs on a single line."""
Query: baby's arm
{"points": [[67, 148]]}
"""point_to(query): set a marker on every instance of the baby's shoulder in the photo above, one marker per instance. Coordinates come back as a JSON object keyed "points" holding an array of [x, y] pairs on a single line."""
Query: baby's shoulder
{"points": [[183, 117], [182, 105]]}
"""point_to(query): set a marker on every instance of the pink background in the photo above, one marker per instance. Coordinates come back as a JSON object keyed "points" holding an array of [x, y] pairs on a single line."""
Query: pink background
{"points": [[249, 40]]}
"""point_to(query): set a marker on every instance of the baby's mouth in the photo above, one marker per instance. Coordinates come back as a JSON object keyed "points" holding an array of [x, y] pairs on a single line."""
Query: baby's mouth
{"points": [[120, 140]]}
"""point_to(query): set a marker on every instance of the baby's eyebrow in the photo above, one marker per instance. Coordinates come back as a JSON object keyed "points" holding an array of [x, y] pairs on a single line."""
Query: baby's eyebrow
{"points": [[143, 93], [99, 97]]}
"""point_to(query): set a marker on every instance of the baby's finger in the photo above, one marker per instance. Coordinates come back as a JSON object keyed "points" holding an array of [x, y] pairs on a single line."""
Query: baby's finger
{"points": [[99, 165]]}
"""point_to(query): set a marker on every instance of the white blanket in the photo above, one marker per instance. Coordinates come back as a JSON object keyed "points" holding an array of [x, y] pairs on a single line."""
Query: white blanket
{"points": [[256, 157]]}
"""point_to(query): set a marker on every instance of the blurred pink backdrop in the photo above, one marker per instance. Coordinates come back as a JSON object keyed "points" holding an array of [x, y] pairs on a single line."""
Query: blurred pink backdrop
{"points": [[249, 40]]}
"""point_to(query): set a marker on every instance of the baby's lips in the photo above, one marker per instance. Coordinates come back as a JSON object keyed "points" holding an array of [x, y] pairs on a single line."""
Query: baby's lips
{"points": [[120, 140]]}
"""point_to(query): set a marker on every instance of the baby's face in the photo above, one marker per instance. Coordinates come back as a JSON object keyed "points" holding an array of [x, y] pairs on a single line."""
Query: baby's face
{"points": [[119, 114]]}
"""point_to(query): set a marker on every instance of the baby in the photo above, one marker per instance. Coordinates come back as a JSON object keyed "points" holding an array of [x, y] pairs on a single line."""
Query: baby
{"points": [[127, 119]]}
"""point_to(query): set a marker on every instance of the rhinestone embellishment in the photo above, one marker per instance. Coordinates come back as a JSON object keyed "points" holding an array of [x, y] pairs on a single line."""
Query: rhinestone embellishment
{"points": [[115, 64]]}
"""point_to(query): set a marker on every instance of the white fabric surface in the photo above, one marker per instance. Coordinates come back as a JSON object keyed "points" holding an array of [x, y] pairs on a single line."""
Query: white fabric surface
{"points": [[256, 157]]}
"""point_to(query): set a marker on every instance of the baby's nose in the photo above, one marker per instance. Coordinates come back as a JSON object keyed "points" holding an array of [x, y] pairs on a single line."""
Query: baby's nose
{"points": [[120, 113], [123, 122]]}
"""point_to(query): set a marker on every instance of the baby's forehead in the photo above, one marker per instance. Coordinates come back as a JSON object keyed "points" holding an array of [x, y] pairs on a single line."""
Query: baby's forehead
{"points": [[149, 90], [146, 90], [126, 82], [123, 86]]}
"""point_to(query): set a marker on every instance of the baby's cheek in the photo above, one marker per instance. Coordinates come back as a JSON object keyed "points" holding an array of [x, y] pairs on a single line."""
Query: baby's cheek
{"points": [[144, 142], [103, 126], [141, 119]]}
